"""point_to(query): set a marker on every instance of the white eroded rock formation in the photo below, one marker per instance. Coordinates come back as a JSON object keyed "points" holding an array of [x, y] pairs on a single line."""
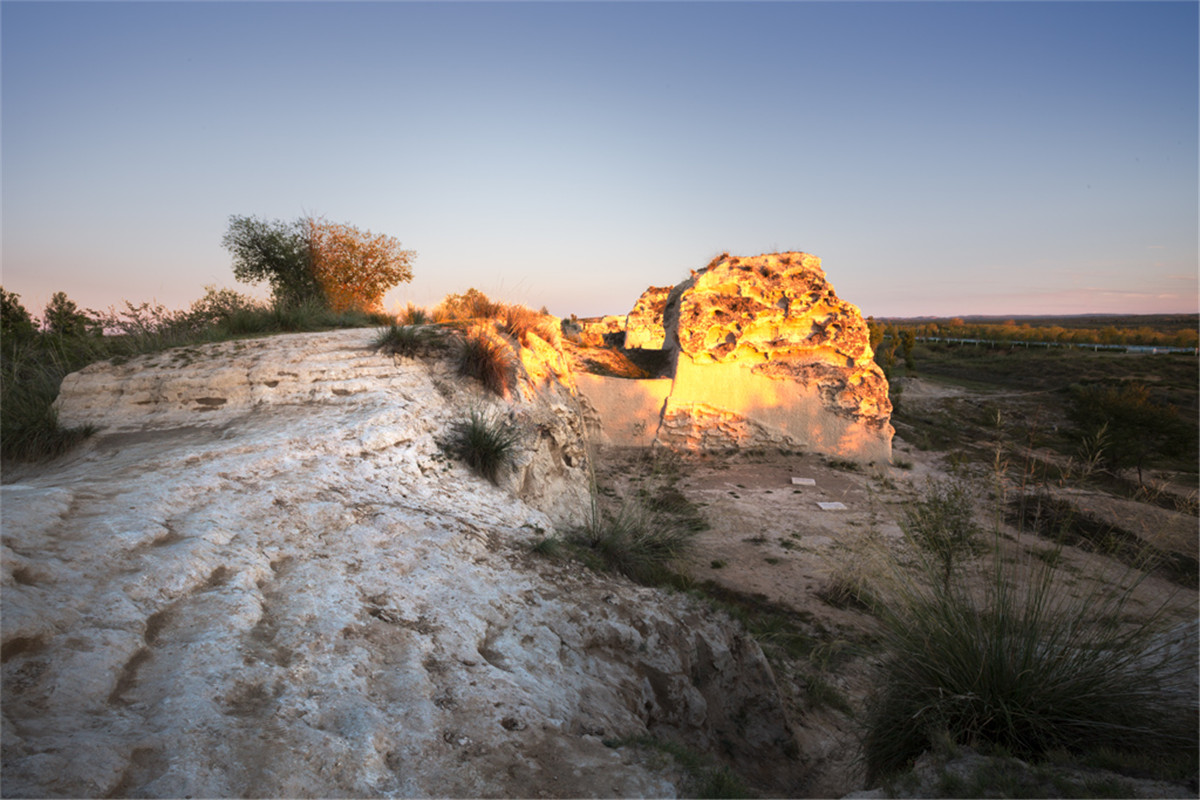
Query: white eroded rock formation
{"points": [[644, 323], [263, 577], [765, 353]]}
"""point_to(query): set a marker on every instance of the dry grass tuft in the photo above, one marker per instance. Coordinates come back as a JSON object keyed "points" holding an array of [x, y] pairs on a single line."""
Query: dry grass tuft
{"points": [[519, 321], [471, 305], [414, 315], [488, 359]]}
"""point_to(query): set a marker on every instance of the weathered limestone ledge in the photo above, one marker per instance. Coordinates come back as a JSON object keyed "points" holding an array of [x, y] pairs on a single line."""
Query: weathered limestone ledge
{"points": [[263, 578]]}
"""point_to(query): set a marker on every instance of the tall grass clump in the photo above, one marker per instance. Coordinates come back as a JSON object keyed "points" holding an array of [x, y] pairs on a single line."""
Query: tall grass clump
{"points": [[1022, 665], [487, 359], [403, 340], [414, 315], [633, 541], [30, 377], [316, 315], [488, 444], [519, 321]]}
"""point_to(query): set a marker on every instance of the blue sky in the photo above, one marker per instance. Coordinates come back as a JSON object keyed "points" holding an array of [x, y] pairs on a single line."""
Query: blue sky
{"points": [[941, 158]]}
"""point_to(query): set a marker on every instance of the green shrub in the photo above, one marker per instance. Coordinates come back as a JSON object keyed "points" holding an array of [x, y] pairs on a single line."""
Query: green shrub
{"points": [[275, 251], [1128, 426], [487, 359], [16, 325], [29, 382], [218, 306], [247, 322], [486, 443], [1026, 666], [943, 524]]}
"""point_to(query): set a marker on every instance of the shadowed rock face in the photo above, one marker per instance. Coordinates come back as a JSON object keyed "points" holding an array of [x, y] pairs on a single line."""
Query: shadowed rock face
{"points": [[295, 592], [765, 353]]}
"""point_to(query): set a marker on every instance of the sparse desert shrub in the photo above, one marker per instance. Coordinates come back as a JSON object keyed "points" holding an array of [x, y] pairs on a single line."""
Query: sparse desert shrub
{"points": [[943, 524], [487, 359], [403, 340], [1024, 666], [414, 315], [469, 305], [488, 444], [571, 330], [247, 322], [220, 306]]}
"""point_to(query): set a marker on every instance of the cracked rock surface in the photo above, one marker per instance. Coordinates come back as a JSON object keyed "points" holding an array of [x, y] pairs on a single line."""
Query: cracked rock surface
{"points": [[263, 577]]}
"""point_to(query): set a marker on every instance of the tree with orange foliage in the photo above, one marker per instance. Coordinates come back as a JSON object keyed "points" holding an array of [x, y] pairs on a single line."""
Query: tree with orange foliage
{"points": [[355, 268]]}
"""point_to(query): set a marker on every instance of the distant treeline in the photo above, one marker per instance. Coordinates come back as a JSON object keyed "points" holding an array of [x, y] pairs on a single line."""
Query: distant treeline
{"points": [[1157, 330]]}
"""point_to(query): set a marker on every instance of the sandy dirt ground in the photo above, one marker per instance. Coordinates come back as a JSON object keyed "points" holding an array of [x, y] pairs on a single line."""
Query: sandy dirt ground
{"points": [[770, 538]]}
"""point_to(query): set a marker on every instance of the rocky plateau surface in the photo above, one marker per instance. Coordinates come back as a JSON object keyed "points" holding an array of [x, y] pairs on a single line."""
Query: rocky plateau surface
{"points": [[263, 576]]}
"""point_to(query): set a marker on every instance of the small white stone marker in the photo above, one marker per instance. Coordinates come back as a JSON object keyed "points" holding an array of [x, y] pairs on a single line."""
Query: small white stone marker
{"points": [[832, 506], [804, 481]]}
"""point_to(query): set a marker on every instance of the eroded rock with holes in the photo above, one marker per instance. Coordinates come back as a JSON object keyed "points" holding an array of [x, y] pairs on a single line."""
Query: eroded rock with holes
{"points": [[765, 353], [767, 338], [295, 592]]}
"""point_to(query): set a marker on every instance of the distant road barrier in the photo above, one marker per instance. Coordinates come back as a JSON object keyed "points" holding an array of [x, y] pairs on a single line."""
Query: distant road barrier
{"points": [[1128, 348]]}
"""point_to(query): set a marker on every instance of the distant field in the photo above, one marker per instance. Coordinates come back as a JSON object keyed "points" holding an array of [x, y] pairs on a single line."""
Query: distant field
{"points": [[1169, 330], [1031, 390], [1172, 376], [1166, 323]]}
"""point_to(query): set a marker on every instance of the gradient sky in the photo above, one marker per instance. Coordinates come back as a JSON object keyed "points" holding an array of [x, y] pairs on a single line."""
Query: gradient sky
{"points": [[941, 158]]}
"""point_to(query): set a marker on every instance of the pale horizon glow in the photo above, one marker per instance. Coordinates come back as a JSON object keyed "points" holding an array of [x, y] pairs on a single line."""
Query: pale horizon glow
{"points": [[941, 158]]}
